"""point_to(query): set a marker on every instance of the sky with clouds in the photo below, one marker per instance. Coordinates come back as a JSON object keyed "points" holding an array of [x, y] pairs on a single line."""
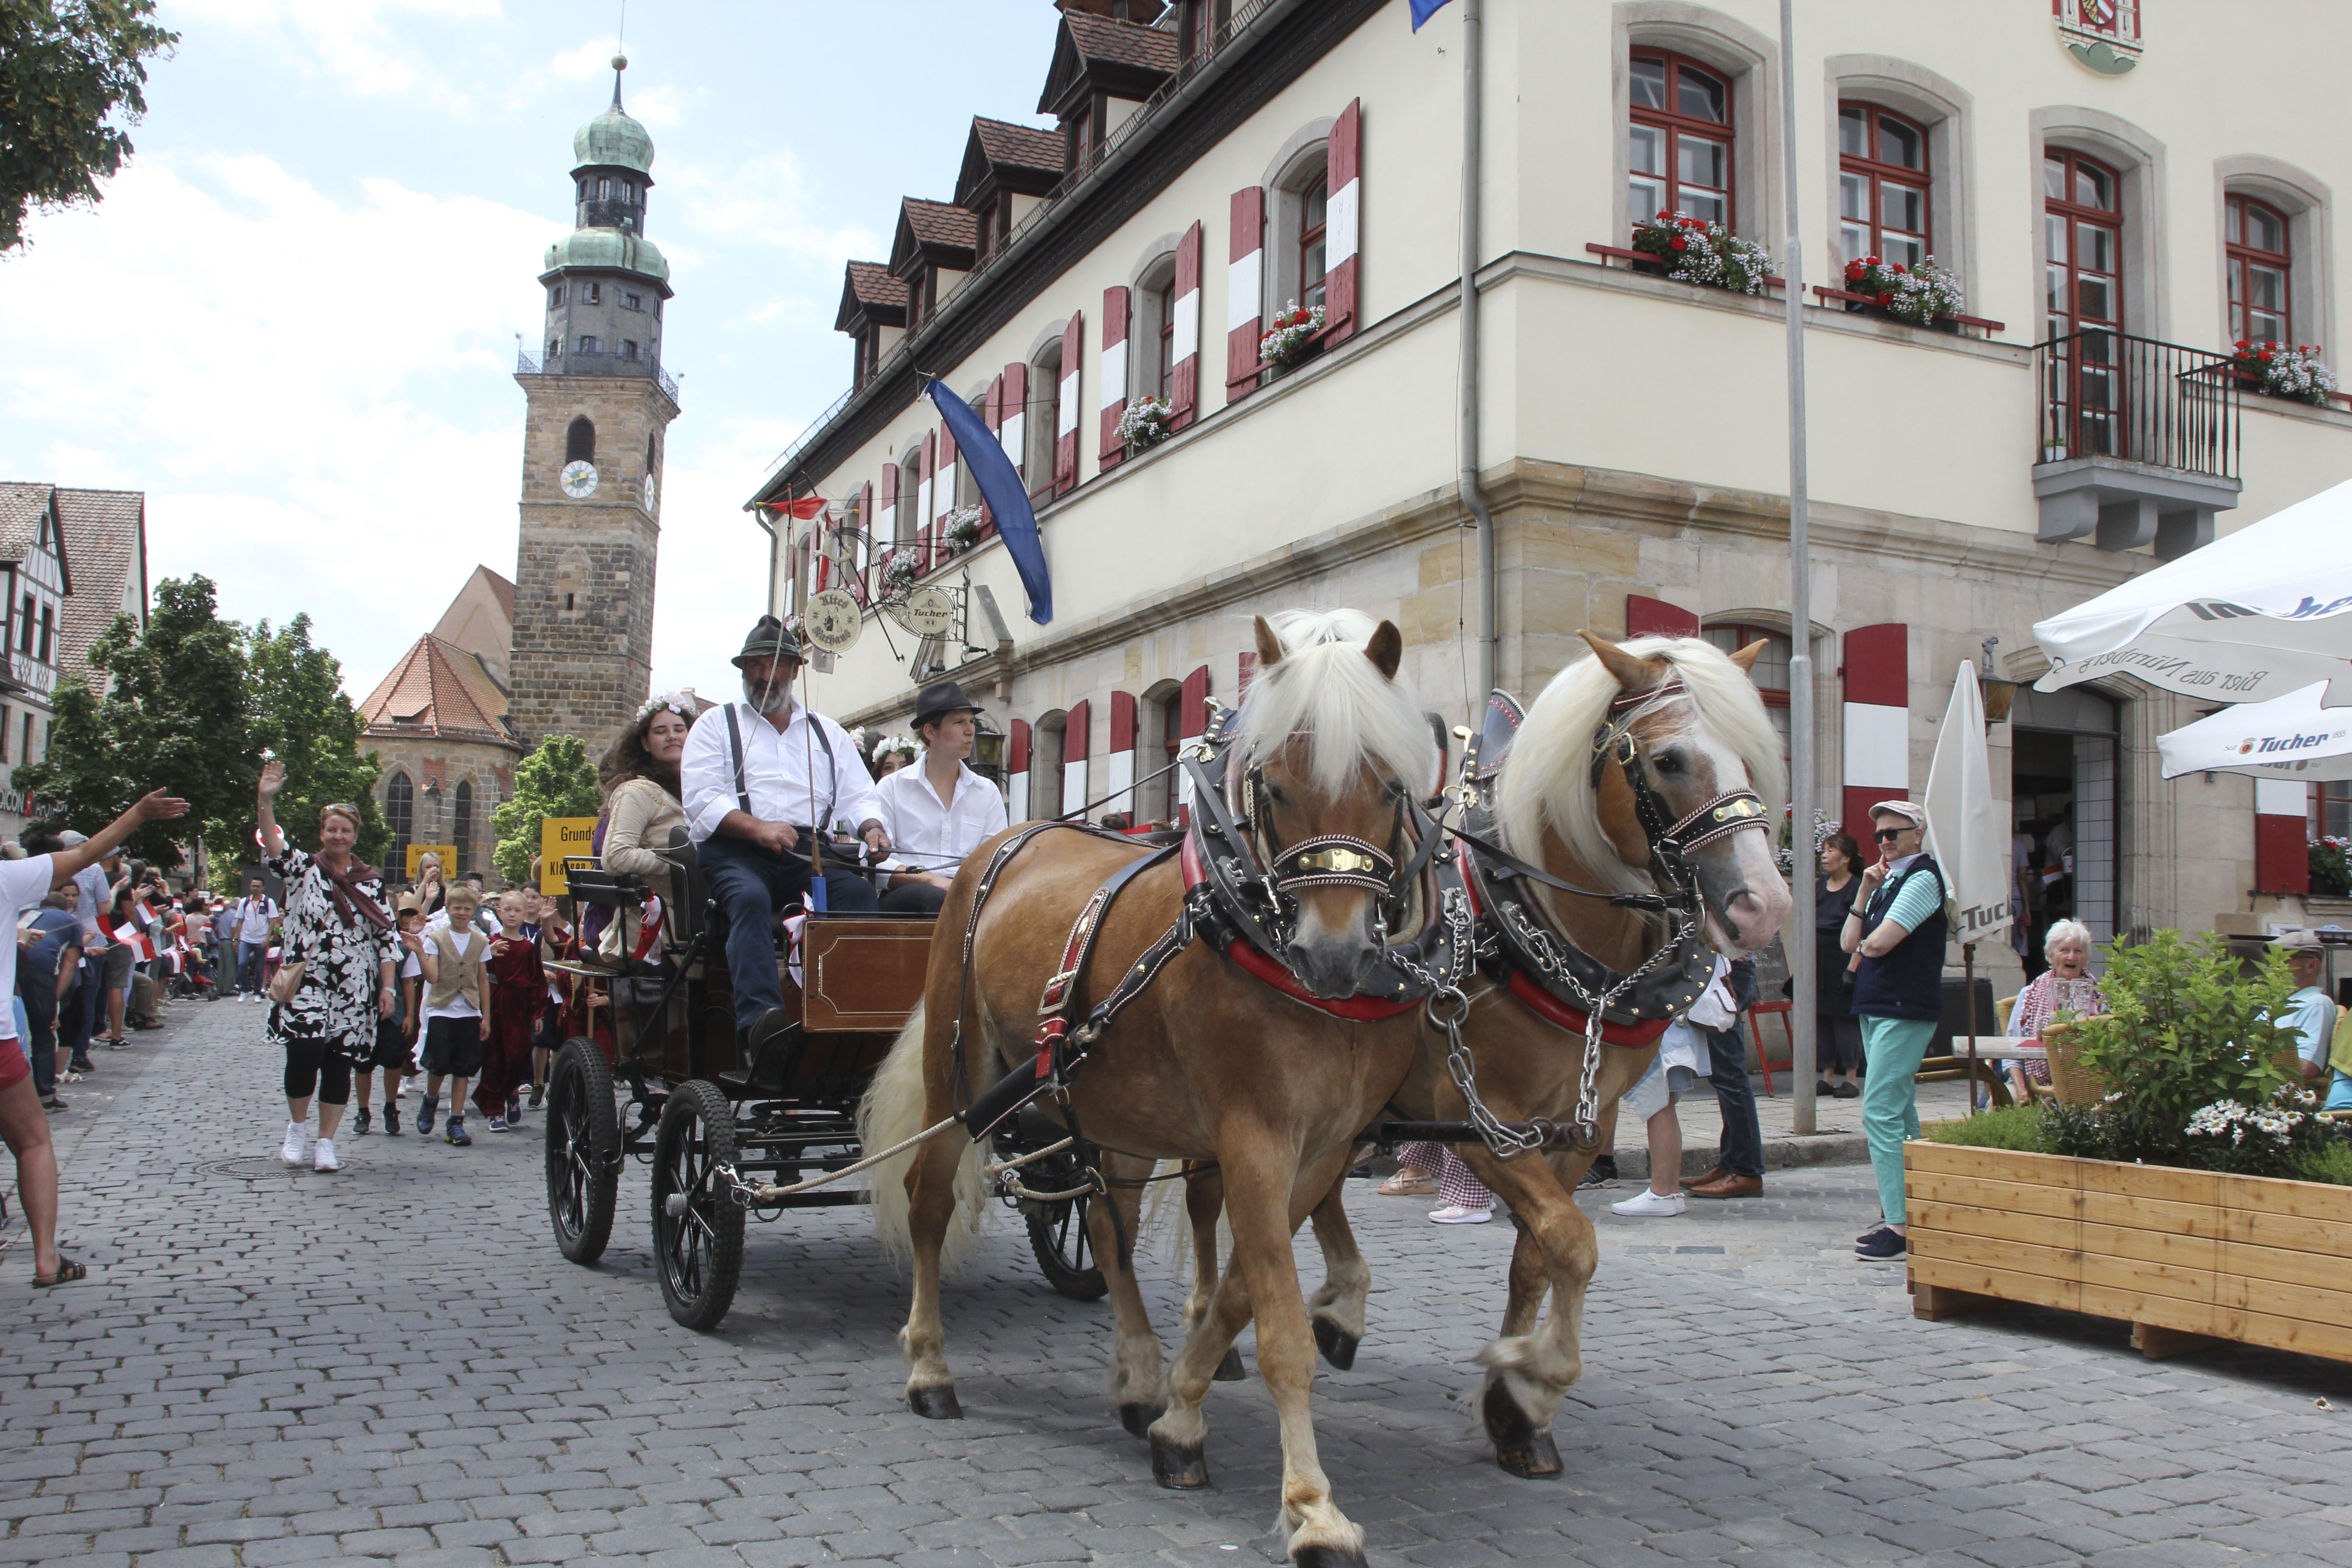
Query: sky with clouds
{"points": [[292, 321]]}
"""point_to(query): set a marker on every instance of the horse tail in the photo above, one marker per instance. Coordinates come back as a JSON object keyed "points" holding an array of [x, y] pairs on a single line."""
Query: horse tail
{"points": [[893, 1110]]}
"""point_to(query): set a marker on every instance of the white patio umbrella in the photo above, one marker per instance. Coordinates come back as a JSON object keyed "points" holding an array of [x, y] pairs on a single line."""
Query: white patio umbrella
{"points": [[2295, 737], [2255, 615]]}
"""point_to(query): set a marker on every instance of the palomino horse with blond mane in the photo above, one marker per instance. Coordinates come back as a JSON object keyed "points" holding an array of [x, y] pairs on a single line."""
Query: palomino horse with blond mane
{"points": [[1299, 871], [1641, 788]]}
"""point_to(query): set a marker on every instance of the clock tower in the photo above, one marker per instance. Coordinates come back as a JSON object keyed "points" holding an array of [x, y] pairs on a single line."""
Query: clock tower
{"points": [[599, 410]]}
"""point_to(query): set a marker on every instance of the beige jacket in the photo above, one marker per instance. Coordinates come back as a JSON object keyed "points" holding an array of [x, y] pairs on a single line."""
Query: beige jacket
{"points": [[639, 814]]}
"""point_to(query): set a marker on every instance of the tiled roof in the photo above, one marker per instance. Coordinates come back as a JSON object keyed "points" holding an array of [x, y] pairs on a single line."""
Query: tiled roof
{"points": [[105, 550], [1121, 43], [940, 223], [440, 688], [1019, 146], [22, 507], [871, 289]]}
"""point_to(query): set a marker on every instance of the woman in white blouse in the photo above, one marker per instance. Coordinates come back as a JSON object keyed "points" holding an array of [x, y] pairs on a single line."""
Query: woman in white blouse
{"points": [[938, 811]]}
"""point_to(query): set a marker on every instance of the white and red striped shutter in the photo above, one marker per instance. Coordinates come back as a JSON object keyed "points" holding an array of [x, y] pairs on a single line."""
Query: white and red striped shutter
{"points": [[885, 532], [1113, 397], [1343, 174], [2281, 837], [821, 572], [1245, 291], [943, 495], [1012, 416], [1877, 726], [1016, 772], [1076, 734], [1120, 783], [1185, 339], [857, 550], [1246, 674], [1066, 406], [992, 414], [925, 483], [1192, 721], [1648, 617]]}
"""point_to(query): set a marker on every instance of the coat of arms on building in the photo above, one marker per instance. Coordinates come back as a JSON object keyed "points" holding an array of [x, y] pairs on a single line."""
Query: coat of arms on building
{"points": [[2102, 34]]}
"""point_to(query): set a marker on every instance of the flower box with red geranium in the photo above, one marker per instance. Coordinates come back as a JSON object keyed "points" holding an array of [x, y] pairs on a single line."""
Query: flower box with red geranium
{"points": [[2282, 371], [2331, 866], [1922, 296], [1291, 335], [1695, 251]]}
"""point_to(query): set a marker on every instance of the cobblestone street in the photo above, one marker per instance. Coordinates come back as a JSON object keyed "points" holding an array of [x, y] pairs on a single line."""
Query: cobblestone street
{"points": [[396, 1363]]}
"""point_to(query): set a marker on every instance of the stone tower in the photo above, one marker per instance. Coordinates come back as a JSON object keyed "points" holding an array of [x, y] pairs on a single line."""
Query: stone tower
{"points": [[600, 406]]}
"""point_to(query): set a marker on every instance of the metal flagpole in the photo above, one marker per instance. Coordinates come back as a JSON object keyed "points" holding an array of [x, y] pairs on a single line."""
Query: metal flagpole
{"points": [[1799, 945]]}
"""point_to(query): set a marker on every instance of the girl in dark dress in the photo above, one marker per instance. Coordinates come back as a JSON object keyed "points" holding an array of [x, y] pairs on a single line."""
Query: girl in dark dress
{"points": [[1838, 1035], [518, 995]]}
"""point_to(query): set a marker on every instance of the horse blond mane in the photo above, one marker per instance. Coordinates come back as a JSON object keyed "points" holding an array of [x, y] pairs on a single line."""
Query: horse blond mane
{"points": [[1327, 689], [1549, 782]]}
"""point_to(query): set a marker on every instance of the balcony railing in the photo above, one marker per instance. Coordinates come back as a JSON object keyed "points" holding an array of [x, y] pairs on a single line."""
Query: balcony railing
{"points": [[528, 363], [2136, 400]]}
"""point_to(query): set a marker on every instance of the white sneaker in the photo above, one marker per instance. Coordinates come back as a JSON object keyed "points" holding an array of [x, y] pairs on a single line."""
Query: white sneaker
{"points": [[1647, 1204], [323, 1158], [292, 1152], [1454, 1214]]}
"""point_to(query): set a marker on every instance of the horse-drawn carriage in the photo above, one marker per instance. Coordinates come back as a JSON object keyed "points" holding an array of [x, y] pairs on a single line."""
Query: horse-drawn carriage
{"points": [[733, 1127]]}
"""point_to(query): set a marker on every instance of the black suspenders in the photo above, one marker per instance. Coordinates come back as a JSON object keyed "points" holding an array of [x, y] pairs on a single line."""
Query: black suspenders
{"points": [[832, 770]]}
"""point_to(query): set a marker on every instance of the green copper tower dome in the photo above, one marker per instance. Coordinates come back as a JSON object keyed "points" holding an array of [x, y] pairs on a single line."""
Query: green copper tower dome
{"points": [[613, 140]]}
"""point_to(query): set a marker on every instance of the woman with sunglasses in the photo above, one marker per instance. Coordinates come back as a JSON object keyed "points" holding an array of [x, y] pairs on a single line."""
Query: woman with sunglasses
{"points": [[1897, 926]]}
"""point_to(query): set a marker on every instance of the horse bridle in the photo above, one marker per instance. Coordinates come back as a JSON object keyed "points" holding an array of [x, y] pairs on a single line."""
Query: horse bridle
{"points": [[1673, 839]]}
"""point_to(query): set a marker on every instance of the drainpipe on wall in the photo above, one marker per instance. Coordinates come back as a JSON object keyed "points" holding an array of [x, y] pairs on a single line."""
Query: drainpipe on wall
{"points": [[1490, 633]]}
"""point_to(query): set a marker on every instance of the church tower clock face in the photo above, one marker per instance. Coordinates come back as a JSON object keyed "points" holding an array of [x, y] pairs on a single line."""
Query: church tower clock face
{"points": [[649, 494], [579, 479]]}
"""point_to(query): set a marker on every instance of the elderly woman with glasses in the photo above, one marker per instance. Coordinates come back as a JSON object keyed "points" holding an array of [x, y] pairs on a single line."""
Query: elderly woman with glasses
{"points": [[1897, 926]]}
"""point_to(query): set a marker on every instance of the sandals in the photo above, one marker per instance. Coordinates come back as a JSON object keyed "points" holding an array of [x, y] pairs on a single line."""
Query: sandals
{"points": [[1408, 1183], [67, 1272]]}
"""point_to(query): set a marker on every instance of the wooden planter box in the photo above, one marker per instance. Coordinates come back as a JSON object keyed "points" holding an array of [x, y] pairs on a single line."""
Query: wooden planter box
{"points": [[2185, 1257]]}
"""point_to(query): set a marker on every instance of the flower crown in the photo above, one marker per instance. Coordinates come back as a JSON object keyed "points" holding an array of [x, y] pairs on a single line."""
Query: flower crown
{"points": [[896, 743], [678, 702]]}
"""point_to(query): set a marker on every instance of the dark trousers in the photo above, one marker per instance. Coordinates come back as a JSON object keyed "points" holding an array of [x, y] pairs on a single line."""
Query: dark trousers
{"points": [[83, 1007], [914, 899], [40, 992], [248, 966], [751, 885], [1741, 1152]]}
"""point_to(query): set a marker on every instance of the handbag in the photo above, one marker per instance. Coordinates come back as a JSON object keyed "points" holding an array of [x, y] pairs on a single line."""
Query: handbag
{"points": [[287, 981]]}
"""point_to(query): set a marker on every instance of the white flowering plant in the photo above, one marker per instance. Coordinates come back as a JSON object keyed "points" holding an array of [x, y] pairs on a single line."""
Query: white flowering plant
{"points": [[1700, 250], [2256, 1140], [1291, 335], [962, 526], [2331, 866], [2282, 371], [1920, 295], [1144, 422], [899, 572]]}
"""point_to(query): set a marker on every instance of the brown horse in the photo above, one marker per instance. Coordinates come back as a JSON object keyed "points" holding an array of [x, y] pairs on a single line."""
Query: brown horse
{"points": [[1208, 1063], [1704, 736]]}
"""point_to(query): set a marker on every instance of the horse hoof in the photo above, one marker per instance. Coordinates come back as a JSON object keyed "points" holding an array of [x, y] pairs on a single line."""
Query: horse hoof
{"points": [[1338, 1345], [1229, 1370], [935, 1404], [1519, 1446], [1327, 1557], [1137, 1418], [1180, 1468]]}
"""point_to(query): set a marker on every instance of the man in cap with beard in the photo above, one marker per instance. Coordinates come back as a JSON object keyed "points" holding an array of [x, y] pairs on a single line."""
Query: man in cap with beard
{"points": [[762, 778]]}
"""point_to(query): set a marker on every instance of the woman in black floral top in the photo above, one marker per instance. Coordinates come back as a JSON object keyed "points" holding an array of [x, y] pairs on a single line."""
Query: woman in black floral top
{"points": [[338, 929]]}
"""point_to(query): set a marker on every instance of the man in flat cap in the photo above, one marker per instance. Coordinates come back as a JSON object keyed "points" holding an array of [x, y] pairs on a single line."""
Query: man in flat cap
{"points": [[939, 811], [763, 777]]}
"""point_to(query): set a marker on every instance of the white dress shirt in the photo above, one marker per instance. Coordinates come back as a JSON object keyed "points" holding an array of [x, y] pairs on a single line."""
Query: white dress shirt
{"points": [[930, 837], [808, 774]]}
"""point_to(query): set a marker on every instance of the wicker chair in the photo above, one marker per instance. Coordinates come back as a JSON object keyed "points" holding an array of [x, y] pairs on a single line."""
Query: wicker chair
{"points": [[2070, 1081]]}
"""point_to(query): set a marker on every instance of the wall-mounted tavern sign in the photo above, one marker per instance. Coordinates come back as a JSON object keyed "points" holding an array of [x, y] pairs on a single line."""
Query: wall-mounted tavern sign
{"points": [[2102, 34], [928, 613], [833, 620]]}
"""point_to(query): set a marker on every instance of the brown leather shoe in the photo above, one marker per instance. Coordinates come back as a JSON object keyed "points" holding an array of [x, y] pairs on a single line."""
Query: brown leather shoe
{"points": [[1712, 1177], [1730, 1187]]}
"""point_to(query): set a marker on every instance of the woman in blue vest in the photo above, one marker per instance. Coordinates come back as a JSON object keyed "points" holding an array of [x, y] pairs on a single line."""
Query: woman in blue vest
{"points": [[1897, 926]]}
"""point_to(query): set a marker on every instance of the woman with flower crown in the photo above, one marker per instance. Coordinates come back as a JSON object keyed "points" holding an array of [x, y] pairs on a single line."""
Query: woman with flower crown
{"points": [[639, 777]]}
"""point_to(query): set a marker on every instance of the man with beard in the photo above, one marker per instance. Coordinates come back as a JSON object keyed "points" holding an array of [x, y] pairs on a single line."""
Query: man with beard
{"points": [[762, 778]]}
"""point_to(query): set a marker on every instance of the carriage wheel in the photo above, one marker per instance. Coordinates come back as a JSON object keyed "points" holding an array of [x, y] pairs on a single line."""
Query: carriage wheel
{"points": [[583, 1148], [1057, 1231], [700, 1249]]}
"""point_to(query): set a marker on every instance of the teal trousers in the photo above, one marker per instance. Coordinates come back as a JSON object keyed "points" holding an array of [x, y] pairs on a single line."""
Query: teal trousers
{"points": [[1892, 1049]]}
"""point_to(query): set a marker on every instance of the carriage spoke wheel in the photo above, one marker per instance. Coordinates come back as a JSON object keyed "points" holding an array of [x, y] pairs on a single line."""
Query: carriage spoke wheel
{"points": [[583, 1147], [699, 1248], [1057, 1231]]}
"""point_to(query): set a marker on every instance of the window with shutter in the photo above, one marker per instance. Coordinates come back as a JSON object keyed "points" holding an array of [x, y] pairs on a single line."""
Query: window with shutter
{"points": [[1112, 397], [918, 529], [1184, 332], [947, 486], [1077, 738], [1340, 280], [1016, 772], [883, 530], [1119, 781], [1066, 407], [1877, 723], [1191, 720], [1245, 291]]}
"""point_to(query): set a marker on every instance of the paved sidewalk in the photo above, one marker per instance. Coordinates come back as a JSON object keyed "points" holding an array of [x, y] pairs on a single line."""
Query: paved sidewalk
{"points": [[393, 1364]]}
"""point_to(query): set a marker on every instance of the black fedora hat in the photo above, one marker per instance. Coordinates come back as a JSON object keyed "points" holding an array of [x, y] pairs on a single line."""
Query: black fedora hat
{"points": [[939, 700], [770, 638]]}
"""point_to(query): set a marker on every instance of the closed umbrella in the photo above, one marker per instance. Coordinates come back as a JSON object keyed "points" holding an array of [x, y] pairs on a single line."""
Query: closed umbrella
{"points": [[1968, 834]]}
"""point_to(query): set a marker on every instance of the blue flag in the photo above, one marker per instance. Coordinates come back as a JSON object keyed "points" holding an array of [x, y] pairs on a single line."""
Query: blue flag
{"points": [[1001, 487], [1423, 10]]}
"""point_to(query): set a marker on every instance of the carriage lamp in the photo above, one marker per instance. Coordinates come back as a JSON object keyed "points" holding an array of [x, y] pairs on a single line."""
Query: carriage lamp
{"points": [[988, 749]]}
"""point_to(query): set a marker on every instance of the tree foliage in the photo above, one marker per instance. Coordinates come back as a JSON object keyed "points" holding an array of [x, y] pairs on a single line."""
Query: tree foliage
{"points": [[67, 68], [172, 717], [299, 715], [557, 780]]}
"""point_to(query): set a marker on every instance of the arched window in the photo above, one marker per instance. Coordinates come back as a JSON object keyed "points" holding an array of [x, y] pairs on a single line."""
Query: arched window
{"points": [[1679, 148], [2259, 273], [400, 816], [1772, 671], [653, 456], [1047, 742], [1314, 207], [1882, 185], [2083, 292], [461, 825], [580, 440], [1151, 331], [1043, 413]]}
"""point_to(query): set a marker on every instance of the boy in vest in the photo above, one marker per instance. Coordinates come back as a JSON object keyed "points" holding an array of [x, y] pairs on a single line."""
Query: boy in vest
{"points": [[456, 996]]}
